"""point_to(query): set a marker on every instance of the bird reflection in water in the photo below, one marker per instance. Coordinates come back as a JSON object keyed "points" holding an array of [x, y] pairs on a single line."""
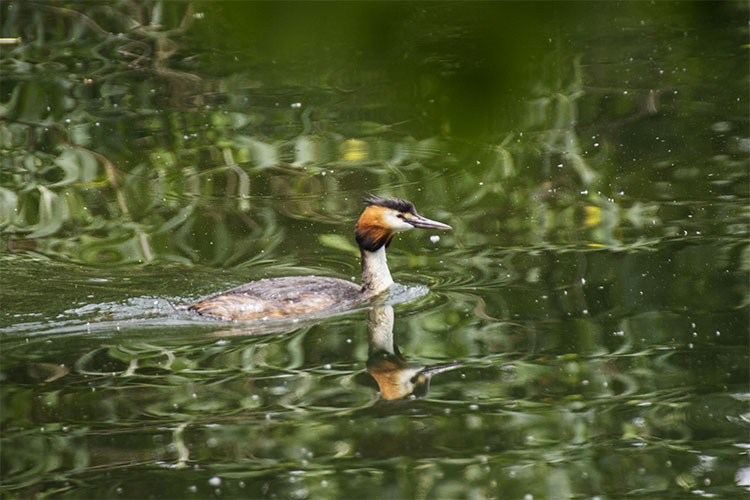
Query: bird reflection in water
{"points": [[395, 377]]}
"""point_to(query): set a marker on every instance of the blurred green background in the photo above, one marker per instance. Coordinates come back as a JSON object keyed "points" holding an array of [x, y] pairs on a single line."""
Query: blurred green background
{"points": [[591, 157]]}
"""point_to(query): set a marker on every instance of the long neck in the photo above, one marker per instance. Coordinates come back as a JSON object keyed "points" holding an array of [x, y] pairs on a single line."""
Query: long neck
{"points": [[380, 330], [376, 277]]}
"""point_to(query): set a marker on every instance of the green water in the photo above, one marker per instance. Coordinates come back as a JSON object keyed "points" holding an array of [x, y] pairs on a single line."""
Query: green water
{"points": [[591, 301]]}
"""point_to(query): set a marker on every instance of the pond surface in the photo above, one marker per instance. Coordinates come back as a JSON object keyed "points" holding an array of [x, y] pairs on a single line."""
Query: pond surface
{"points": [[581, 333]]}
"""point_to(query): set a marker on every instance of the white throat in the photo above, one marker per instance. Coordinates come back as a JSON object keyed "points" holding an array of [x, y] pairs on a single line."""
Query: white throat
{"points": [[376, 277]]}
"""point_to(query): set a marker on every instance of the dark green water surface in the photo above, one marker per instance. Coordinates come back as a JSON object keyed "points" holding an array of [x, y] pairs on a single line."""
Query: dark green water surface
{"points": [[591, 300]]}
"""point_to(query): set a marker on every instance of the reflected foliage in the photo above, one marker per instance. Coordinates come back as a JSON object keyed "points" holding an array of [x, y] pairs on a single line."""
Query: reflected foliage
{"points": [[591, 300]]}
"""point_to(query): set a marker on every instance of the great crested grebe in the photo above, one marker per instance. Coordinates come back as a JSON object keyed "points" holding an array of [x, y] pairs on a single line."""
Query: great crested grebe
{"points": [[288, 297]]}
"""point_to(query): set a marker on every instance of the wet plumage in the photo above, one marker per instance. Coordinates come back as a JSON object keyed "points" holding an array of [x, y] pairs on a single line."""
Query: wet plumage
{"points": [[278, 298]]}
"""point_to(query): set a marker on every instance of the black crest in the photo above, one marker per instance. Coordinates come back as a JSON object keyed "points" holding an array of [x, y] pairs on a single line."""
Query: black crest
{"points": [[392, 203]]}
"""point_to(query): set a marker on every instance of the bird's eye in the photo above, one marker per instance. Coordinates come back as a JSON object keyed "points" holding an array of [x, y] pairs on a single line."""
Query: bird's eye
{"points": [[400, 216]]}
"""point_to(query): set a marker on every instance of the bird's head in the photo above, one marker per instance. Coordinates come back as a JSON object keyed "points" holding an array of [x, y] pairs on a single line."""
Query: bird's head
{"points": [[384, 217]]}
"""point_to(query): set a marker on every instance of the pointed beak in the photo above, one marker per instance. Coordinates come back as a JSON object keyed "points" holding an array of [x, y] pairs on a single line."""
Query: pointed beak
{"points": [[422, 380], [432, 370], [425, 223]]}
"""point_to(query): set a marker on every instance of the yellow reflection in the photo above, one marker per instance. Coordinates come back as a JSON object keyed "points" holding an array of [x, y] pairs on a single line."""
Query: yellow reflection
{"points": [[592, 215], [354, 150]]}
